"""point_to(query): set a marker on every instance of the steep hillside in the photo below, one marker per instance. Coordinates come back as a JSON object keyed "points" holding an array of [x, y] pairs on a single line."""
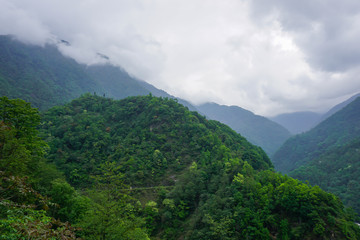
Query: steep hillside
{"points": [[44, 77], [336, 171], [40, 75], [258, 130], [196, 179], [338, 130], [297, 122]]}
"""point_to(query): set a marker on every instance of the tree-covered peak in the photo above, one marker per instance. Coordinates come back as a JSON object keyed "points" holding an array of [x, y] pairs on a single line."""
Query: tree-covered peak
{"points": [[152, 139]]}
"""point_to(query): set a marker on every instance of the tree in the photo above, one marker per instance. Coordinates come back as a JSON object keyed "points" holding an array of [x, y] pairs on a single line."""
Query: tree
{"points": [[20, 147], [113, 213]]}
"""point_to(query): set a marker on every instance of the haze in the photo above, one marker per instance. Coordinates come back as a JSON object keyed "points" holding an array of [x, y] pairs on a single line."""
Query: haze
{"points": [[268, 56]]}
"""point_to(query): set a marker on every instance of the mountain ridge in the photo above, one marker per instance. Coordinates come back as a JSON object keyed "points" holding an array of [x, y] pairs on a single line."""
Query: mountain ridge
{"points": [[257, 129]]}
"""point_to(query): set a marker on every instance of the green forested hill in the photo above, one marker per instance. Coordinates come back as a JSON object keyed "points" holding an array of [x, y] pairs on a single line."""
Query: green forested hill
{"points": [[335, 131], [257, 129], [149, 137], [328, 155], [44, 77], [336, 171], [196, 179]]}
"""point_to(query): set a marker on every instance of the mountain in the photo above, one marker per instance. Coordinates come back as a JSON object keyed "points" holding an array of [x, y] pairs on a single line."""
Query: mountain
{"points": [[41, 75], [337, 130], [257, 129], [118, 84], [195, 178], [336, 170], [44, 77], [297, 122], [147, 123], [338, 107], [328, 155]]}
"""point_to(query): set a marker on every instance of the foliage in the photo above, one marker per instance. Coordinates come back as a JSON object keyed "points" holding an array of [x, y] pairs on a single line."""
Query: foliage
{"points": [[208, 181], [113, 213], [327, 155], [248, 204], [338, 130], [150, 138], [20, 147], [23, 212], [336, 171]]}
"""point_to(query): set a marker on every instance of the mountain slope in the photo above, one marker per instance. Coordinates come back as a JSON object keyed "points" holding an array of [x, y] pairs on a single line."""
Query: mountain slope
{"points": [[337, 130], [146, 123], [197, 179], [336, 171], [258, 130], [40, 75], [44, 77], [297, 122]]}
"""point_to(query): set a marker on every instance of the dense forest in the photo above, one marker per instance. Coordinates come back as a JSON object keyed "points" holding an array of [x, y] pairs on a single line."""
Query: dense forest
{"points": [[148, 168], [327, 155], [337, 130], [336, 171]]}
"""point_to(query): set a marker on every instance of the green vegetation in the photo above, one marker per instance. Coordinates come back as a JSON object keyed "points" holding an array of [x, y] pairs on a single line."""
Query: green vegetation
{"points": [[256, 129], [327, 155], [147, 168], [336, 171], [46, 78], [150, 138], [338, 130], [40, 75], [22, 208]]}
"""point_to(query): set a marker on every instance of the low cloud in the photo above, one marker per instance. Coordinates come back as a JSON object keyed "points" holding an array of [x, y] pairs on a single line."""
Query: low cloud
{"points": [[266, 56]]}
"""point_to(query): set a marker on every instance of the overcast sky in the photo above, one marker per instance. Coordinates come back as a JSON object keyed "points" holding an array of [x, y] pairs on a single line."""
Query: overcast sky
{"points": [[267, 56]]}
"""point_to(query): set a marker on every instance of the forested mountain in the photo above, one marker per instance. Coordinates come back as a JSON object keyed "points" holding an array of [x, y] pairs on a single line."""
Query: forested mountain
{"points": [[337, 130], [297, 122], [328, 155], [257, 129], [44, 77], [140, 132], [41, 75], [195, 179], [337, 171]]}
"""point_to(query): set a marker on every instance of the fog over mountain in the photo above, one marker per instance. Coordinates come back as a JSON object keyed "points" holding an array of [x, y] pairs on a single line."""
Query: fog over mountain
{"points": [[270, 57]]}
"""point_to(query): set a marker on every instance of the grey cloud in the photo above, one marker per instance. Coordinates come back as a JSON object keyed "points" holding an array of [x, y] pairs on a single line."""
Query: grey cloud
{"points": [[327, 31], [209, 51]]}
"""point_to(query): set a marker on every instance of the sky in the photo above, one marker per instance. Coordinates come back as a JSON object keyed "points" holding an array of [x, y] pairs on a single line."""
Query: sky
{"points": [[267, 56]]}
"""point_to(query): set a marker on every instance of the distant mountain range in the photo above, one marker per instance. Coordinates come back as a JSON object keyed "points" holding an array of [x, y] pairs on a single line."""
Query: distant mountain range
{"points": [[299, 122], [337, 130], [257, 129]]}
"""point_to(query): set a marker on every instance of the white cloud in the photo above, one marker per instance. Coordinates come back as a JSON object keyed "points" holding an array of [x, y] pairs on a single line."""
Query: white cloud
{"points": [[266, 56]]}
